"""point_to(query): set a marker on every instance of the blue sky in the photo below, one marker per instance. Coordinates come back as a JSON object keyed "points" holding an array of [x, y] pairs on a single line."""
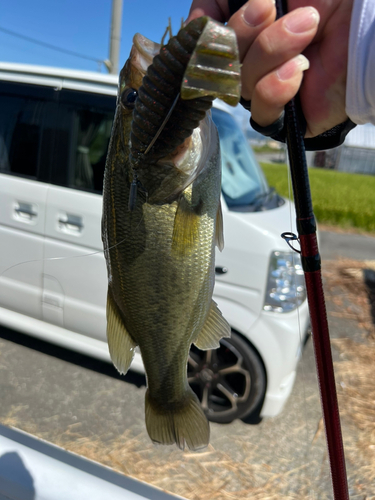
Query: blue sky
{"points": [[81, 26]]}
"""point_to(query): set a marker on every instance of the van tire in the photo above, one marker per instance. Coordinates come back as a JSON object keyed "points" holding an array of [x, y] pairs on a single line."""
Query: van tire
{"points": [[230, 381]]}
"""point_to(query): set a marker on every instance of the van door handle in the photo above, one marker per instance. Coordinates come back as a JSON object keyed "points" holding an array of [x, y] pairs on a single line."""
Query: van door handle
{"points": [[221, 270], [25, 212], [69, 223]]}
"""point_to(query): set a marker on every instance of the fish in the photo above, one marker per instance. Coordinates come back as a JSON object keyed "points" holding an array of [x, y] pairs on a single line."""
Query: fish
{"points": [[160, 224]]}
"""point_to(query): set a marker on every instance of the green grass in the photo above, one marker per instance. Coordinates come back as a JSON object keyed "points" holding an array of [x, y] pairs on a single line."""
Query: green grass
{"points": [[264, 149], [341, 199]]}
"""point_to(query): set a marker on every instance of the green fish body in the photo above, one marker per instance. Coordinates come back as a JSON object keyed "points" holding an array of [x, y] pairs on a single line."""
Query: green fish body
{"points": [[160, 261]]}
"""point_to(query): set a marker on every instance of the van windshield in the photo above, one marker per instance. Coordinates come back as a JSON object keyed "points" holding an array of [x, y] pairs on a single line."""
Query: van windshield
{"points": [[243, 182]]}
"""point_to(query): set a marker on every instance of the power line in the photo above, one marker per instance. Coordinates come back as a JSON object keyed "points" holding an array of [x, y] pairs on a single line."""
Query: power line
{"points": [[49, 46]]}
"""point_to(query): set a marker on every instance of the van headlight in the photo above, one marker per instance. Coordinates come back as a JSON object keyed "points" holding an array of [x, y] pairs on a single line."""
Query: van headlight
{"points": [[286, 288]]}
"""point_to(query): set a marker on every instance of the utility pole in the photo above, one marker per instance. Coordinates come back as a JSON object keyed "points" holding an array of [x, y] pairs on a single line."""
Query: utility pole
{"points": [[115, 38]]}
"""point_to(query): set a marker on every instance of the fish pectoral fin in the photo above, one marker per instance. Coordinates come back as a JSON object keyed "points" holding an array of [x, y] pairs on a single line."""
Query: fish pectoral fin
{"points": [[215, 328], [219, 231], [121, 345], [185, 229]]}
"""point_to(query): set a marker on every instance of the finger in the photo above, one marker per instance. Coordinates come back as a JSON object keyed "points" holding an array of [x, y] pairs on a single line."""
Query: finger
{"points": [[250, 20], [277, 44], [273, 91], [217, 9]]}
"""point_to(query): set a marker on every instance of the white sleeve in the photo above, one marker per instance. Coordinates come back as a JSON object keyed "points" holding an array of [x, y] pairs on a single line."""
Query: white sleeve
{"points": [[360, 89]]}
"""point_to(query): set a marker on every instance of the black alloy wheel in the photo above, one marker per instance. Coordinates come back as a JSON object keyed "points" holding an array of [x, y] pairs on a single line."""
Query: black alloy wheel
{"points": [[230, 381]]}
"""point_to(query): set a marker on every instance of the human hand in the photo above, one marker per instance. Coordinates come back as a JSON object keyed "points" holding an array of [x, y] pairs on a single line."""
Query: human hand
{"points": [[270, 52]]}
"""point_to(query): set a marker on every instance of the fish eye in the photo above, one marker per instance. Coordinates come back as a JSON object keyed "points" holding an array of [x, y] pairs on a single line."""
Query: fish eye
{"points": [[128, 98]]}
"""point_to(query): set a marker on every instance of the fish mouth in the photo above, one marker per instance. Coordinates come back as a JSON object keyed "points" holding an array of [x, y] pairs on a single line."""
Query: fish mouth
{"points": [[144, 50]]}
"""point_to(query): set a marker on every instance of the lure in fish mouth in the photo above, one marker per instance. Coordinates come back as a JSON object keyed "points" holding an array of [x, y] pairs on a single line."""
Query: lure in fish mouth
{"points": [[160, 253]]}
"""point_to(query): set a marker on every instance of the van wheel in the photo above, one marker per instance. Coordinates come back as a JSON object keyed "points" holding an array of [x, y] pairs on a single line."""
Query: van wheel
{"points": [[230, 381]]}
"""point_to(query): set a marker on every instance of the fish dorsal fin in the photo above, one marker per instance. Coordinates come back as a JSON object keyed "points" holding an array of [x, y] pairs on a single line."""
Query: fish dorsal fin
{"points": [[121, 345], [215, 328], [185, 229], [219, 231]]}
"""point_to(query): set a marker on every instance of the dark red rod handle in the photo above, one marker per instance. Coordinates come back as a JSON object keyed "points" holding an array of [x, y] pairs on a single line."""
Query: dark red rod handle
{"points": [[311, 265], [326, 377]]}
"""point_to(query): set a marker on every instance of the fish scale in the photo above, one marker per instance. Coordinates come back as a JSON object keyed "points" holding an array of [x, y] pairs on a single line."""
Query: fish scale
{"points": [[160, 256]]}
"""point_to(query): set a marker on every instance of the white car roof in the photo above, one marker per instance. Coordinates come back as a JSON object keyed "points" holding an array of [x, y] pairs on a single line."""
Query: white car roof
{"points": [[25, 69], [87, 81], [59, 77]]}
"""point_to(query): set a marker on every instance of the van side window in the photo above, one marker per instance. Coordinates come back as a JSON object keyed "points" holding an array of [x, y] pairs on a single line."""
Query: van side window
{"points": [[27, 117], [83, 133]]}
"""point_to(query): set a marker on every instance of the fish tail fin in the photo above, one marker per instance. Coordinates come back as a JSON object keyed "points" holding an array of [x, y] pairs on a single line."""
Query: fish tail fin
{"points": [[181, 423]]}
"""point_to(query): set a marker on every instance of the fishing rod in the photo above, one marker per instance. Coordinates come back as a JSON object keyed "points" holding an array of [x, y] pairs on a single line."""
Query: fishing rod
{"points": [[294, 123]]}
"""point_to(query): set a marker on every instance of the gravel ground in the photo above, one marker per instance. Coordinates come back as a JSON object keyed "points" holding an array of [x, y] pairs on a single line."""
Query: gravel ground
{"points": [[68, 403]]}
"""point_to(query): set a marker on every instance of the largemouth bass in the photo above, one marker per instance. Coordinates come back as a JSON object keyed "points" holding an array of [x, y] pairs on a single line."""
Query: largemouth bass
{"points": [[160, 247]]}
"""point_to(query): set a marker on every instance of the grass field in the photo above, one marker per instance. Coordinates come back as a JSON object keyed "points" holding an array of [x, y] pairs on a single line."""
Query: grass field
{"points": [[340, 199], [264, 149]]}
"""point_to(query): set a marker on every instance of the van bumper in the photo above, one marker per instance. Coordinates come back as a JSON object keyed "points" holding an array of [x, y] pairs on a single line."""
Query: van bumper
{"points": [[280, 339], [274, 403]]}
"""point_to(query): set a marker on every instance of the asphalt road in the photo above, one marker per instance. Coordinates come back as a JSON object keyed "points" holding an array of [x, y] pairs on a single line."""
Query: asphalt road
{"points": [[349, 245], [70, 399]]}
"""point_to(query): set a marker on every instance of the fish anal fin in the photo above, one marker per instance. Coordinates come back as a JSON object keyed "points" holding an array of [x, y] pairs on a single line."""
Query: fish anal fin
{"points": [[219, 230], [186, 229], [215, 328], [183, 422], [121, 345]]}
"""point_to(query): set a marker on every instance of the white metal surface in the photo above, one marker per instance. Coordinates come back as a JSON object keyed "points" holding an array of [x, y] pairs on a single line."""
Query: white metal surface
{"points": [[32, 469], [25, 70], [81, 273], [22, 216]]}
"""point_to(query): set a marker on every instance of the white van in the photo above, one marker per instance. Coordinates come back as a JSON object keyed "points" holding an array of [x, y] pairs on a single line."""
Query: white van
{"points": [[55, 126]]}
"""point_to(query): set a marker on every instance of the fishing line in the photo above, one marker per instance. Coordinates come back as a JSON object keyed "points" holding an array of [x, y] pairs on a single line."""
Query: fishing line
{"points": [[162, 125], [66, 258], [59, 258], [90, 254], [302, 341], [49, 258], [99, 252]]}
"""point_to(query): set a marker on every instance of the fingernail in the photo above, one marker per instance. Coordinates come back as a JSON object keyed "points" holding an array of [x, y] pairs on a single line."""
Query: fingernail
{"points": [[256, 12], [289, 69], [303, 19]]}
